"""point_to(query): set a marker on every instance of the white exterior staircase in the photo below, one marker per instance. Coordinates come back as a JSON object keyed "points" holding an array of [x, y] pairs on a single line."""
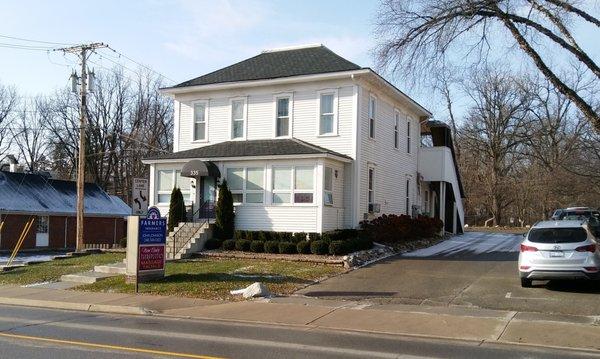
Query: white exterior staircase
{"points": [[188, 237]]}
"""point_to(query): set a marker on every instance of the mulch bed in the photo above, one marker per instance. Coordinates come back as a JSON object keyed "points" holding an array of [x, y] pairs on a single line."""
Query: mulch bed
{"points": [[311, 258]]}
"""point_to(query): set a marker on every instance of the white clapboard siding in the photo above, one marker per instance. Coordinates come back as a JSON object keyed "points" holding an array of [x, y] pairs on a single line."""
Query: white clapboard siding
{"points": [[276, 218]]}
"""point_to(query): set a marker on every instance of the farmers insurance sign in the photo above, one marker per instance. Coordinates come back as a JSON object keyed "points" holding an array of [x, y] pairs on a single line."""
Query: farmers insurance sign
{"points": [[152, 239]]}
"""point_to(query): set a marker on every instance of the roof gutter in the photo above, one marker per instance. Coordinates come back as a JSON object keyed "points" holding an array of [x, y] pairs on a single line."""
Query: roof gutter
{"points": [[248, 158], [255, 83]]}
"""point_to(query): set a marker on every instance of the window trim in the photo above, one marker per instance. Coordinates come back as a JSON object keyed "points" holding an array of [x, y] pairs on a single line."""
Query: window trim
{"points": [[372, 117], [174, 172], [244, 190], [408, 135], [293, 189], [370, 186], [334, 92], [206, 112], [408, 199], [326, 191], [397, 116], [290, 97], [245, 118]]}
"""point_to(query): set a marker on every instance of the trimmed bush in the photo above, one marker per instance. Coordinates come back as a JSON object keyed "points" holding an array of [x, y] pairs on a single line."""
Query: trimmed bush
{"points": [[303, 247], [287, 248], [272, 247], [326, 237], [228, 244], [242, 245], [319, 247], [212, 243], [257, 246], [339, 247], [393, 229], [238, 235], [250, 235], [123, 242], [313, 236], [263, 236], [299, 237], [286, 236], [224, 213], [176, 209]]}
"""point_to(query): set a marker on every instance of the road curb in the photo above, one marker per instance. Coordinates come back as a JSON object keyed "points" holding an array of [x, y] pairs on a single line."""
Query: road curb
{"points": [[82, 307]]}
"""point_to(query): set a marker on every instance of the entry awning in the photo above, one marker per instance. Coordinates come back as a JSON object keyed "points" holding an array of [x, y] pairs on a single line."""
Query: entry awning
{"points": [[198, 168]]}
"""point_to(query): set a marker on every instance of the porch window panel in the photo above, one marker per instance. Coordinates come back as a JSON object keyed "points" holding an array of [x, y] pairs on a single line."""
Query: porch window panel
{"points": [[235, 179], [282, 185], [328, 186], [255, 190], [165, 180], [282, 198]]}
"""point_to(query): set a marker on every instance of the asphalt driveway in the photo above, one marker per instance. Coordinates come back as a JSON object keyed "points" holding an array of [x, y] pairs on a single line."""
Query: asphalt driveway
{"points": [[474, 269]]}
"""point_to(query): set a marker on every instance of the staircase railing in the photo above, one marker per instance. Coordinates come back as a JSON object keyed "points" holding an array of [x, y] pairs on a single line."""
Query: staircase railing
{"points": [[203, 215]]}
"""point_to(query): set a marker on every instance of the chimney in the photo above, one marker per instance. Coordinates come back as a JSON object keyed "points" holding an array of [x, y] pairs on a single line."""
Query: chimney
{"points": [[12, 161]]}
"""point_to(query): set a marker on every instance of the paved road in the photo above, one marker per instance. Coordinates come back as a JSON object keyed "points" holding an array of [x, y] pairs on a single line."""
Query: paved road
{"points": [[477, 269], [41, 333]]}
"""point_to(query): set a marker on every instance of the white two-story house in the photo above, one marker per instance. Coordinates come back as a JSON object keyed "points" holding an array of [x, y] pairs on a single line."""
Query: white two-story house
{"points": [[307, 141]]}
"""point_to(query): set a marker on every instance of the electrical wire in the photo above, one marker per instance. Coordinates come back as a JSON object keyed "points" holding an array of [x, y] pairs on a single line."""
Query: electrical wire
{"points": [[38, 41]]}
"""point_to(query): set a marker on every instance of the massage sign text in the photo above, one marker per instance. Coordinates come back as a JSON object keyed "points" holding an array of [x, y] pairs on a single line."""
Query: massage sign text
{"points": [[152, 239]]}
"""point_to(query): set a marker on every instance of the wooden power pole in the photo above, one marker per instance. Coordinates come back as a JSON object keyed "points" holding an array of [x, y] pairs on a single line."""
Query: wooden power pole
{"points": [[83, 52]]}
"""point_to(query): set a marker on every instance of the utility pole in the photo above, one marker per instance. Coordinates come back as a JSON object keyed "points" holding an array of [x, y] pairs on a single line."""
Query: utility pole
{"points": [[83, 51]]}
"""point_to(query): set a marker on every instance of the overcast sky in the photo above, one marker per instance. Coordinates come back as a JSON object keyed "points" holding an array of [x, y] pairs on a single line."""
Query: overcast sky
{"points": [[183, 39]]}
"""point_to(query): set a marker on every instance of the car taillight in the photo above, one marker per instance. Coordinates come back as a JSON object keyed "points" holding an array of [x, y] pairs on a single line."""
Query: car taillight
{"points": [[588, 248], [524, 267], [525, 248], [591, 269]]}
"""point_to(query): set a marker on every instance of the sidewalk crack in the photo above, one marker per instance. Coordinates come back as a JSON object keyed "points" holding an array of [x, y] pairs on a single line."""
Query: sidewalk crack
{"points": [[324, 315], [506, 325]]}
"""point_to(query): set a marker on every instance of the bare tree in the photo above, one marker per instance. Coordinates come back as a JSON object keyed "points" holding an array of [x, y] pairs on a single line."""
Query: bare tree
{"points": [[419, 36], [29, 135], [8, 103]]}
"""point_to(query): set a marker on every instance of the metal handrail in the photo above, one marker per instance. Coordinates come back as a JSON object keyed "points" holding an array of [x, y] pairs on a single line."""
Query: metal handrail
{"points": [[205, 209]]}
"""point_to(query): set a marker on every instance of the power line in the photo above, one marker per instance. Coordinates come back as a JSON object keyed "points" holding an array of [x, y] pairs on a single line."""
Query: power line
{"points": [[25, 47], [38, 41], [140, 64]]}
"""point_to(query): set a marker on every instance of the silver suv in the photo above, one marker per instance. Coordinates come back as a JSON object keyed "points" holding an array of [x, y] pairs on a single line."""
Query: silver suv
{"points": [[559, 250]]}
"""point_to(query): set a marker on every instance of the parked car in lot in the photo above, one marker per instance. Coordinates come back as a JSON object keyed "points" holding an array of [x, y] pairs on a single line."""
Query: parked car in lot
{"points": [[565, 249], [580, 213]]}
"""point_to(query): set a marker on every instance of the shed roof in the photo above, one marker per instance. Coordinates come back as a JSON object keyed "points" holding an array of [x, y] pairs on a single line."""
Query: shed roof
{"points": [[36, 194]]}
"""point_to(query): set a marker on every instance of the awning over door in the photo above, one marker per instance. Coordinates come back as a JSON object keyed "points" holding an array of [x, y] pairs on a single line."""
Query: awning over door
{"points": [[198, 168]]}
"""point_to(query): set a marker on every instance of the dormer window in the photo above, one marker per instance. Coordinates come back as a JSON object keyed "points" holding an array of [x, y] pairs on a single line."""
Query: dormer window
{"points": [[282, 117], [238, 118]]}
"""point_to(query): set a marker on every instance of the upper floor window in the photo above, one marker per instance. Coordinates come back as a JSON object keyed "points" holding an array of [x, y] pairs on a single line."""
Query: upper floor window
{"points": [[327, 120], [282, 121], [396, 129], [408, 144], [238, 118], [328, 186], [372, 110], [200, 121]]}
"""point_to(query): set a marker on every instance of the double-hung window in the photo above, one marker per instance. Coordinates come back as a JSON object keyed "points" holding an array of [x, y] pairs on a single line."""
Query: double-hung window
{"points": [[235, 181], [247, 185], [371, 184], [408, 197], [396, 129], [372, 110], [200, 128], [238, 118], [282, 120], [408, 144], [328, 186], [327, 125], [293, 184]]}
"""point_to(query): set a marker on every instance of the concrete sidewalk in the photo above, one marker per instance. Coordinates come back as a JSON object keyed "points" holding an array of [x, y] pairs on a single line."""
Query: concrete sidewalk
{"points": [[447, 322]]}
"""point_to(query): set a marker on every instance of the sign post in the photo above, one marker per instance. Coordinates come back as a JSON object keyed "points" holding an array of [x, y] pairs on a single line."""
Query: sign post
{"points": [[139, 196], [146, 239]]}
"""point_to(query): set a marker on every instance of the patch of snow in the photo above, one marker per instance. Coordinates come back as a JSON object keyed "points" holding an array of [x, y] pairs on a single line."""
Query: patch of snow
{"points": [[35, 284], [473, 242]]}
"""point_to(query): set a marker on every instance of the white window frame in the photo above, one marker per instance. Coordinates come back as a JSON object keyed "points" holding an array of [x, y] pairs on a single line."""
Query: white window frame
{"points": [[372, 115], [292, 191], [408, 200], [408, 135], [327, 192], [193, 132], [186, 193], [320, 93], [244, 189], [245, 118], [396, 129], [290, 97], [370, 186]]}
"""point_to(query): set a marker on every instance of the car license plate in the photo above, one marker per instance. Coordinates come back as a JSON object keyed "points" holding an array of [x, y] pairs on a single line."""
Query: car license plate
{"points": [[555, 254]]}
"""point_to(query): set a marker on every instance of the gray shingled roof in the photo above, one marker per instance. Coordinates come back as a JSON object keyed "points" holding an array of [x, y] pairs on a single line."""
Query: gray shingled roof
{"points": [[35, 194], [277, 147], [275, 64]]}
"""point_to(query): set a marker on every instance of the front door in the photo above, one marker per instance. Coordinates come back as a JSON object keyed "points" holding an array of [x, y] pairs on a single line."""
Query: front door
{"points": [[41, 237], [208, 189]]}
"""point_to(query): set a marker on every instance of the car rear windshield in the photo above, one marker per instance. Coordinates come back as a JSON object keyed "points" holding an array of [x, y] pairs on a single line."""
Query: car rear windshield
{"points": [[557, 235]]}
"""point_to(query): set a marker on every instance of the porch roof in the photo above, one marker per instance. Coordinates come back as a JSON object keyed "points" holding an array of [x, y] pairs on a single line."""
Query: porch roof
{"points": [[251, 148]]}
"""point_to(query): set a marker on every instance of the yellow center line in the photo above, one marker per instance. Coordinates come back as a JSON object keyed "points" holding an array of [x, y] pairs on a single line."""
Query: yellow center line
{"points": [[107, 346]]}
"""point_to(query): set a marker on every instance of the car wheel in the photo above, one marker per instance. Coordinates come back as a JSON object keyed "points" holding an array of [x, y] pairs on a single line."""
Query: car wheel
{"points": [[525, 283]]}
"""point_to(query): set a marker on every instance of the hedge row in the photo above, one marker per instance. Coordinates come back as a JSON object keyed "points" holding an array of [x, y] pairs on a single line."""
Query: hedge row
{"points": [[393, 229], [334, 243]]}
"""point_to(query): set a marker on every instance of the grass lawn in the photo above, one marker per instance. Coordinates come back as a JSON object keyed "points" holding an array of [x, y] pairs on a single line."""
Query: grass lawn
{"points": [[51, 271], [213, 278]]}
